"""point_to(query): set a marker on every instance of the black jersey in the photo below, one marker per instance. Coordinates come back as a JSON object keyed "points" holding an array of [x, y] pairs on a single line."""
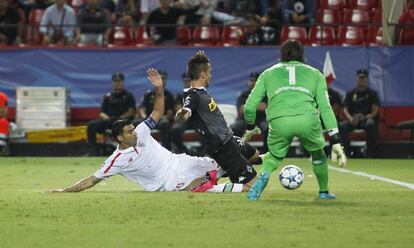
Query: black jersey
{"points": [[207, 118]]}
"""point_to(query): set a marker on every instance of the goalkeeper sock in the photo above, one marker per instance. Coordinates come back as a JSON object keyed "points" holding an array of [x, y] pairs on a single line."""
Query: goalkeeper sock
{"points": [[270, 163], [320, 168], [226, 187]]}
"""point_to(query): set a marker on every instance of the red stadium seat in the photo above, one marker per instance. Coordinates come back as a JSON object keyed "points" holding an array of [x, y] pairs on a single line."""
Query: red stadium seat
{"points": [[294, 32], [206, 36], [363, 4], [322, 36], [183, 35], [407, 36], [374, 36], [32, 36], [356, 16], [332, 4], [328, 16], [142, 37], [351, 35], [120, 36], [377, 16], [35, 16], [231, 35]]}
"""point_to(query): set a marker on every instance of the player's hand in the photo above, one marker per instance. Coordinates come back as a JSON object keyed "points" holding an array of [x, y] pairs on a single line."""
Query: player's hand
{"points": [[154, 77], [59, 190], [182, 115], [249, 133], [338, 154]]}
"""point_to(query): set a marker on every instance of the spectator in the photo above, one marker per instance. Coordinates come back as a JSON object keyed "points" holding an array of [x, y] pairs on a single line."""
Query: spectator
{"points": [[146, 106], [335, 99], [166, 15], [299, 11], [127, 12], [406, 24], [58, 24], [239, 126], [178, 128], [361, 111], [10, 29], [28, 5], [4, 125], [93, 24], [118, 104], [254, 35], [147, 6], [271, 26], [203, 14]]}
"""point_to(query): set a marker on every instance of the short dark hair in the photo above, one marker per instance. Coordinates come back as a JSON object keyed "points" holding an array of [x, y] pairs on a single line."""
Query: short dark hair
{"points": [[196, 65], [118, 127], [291, 50]]}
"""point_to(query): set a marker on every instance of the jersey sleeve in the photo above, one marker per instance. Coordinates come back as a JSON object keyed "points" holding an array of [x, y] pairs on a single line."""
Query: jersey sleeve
{"points": [[143, 130], [322, 99], [109, 168], [255, 97], [191, 101]]}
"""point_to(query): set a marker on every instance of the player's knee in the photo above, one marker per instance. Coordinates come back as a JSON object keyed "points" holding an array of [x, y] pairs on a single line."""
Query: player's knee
{"points": [[318, 157]]}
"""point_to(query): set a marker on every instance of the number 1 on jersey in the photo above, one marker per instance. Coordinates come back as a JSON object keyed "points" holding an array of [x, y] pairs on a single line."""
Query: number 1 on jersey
{"points": [[292, 75]]}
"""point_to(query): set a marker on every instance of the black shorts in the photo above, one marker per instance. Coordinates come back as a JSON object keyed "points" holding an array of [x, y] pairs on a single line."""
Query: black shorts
{"points": [[231, 159], [246, 149]]}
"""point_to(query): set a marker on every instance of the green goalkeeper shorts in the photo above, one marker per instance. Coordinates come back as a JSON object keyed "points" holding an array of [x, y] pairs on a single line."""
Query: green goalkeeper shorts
{"points": [[307, 127]]}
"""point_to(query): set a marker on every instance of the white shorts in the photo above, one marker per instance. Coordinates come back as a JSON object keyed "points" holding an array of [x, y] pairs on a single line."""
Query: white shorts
{"points": [[185, 169]]}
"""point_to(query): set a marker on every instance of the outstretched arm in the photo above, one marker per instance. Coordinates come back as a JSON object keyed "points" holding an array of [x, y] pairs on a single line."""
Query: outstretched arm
{"points": [[158, 109], [83, 184]]}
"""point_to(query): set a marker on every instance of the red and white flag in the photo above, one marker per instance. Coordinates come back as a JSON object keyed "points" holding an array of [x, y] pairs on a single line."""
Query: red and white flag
{"points": [[328, 70]]}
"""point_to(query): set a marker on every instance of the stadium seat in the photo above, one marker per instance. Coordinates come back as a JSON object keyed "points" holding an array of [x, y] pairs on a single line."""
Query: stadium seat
{"points": [[374, 36], [328, 16], [35, 16], [294, 32], [377, 16], [363, 4], [355, 16], [206, 36], [407, 36], [142, 37], [332, 4], [231, 35], [229, 112], [120, 36], [32, 35], [351, 35], [322, 36], [183, 34]]}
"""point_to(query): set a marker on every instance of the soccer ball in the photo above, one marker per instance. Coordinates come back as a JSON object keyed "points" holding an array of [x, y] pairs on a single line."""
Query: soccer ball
{"points": [[291, 177]]}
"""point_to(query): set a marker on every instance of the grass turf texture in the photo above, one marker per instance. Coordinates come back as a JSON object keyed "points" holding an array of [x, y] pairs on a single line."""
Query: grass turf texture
{"points": [[115, 213]]}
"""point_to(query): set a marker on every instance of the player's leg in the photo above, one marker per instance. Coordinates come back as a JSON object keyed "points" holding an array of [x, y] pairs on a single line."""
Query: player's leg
{"points": [[312, 139], [279, 139], [249, 152]]}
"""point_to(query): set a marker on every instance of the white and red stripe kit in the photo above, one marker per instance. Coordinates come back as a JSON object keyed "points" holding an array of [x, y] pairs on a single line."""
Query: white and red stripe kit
{"points": [[153, 167]]}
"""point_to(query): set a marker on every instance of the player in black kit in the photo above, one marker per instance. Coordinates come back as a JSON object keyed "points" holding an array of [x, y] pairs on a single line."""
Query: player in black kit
{"points": [[217, 138]]}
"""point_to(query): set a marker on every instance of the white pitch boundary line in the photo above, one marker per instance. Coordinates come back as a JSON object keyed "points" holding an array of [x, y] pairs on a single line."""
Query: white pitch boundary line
{"points": [[363, 174]]}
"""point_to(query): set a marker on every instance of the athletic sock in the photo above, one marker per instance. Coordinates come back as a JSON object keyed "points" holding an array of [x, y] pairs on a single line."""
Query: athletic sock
{"points": [[270, 163], [226, 187], [320, 168]]}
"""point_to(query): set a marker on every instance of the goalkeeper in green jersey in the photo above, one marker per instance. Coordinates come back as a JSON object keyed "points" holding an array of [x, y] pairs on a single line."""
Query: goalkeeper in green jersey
{"points": [[297, 95]]}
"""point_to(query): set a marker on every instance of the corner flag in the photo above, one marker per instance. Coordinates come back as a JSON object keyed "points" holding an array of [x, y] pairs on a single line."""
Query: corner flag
{"points": [[328, 70]]}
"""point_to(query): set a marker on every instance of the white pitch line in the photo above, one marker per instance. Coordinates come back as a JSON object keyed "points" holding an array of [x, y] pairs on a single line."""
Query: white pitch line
{"points": [[363, 174]]}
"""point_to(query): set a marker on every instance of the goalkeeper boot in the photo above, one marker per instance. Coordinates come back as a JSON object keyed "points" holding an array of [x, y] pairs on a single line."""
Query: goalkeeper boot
{"points": [[209, 181], [327, 196], [258, 186]]}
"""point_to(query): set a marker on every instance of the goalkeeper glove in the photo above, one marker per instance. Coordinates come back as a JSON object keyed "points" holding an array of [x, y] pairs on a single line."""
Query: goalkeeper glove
{"points": [[249, 133], [337, 153]]}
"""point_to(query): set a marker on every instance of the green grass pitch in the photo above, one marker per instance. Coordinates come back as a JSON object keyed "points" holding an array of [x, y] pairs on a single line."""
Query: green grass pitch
{"points": [[116, 213]]}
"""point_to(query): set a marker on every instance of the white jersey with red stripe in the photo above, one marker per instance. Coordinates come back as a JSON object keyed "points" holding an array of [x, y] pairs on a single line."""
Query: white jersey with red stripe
{"points": [[153, 167]]}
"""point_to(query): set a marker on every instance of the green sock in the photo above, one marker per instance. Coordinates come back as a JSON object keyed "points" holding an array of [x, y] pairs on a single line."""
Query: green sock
{"points": [[320, 168], [270, 163]]}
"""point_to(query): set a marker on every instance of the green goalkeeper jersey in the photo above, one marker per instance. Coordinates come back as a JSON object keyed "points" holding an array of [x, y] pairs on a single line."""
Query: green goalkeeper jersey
{"points": [[292, 88]]}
